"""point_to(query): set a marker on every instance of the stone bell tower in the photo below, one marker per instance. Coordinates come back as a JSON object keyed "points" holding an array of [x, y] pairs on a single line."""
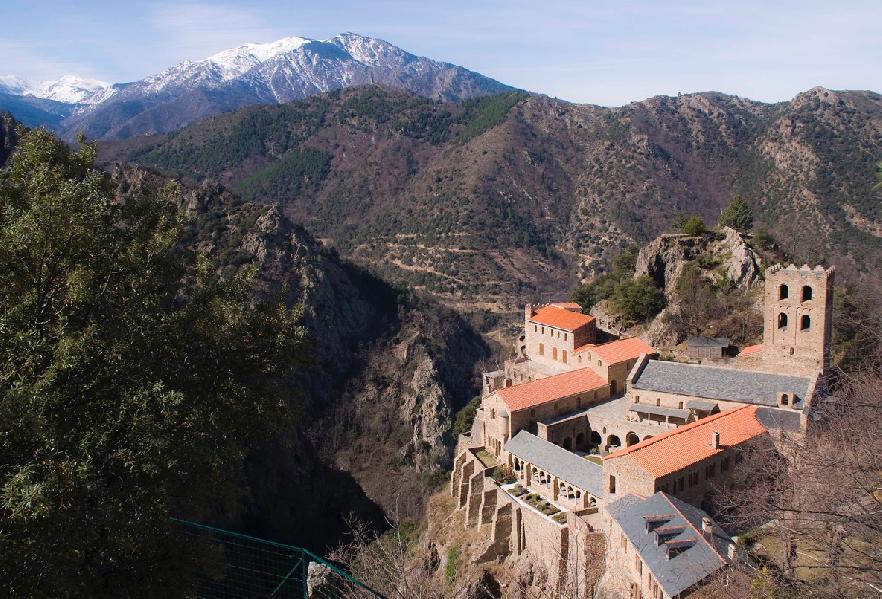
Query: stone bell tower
{"points": [[797, 328]]}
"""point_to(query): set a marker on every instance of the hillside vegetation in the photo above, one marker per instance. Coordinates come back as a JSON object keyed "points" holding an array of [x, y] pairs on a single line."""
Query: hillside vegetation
{"points": [[493, 201]]}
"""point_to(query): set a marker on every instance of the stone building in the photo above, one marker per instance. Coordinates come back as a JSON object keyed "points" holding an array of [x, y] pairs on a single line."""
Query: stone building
{"points": [[685, 462], [669, 441], [661, 547], [707, 348], [555, 472], [797, 323], [540, 404], [678, 393], [553, 332]]}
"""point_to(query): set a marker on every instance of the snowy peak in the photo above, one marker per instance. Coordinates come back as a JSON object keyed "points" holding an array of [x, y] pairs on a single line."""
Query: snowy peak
{"points": [[69, 89], [368, 50], [284, 70], [236, 61]]}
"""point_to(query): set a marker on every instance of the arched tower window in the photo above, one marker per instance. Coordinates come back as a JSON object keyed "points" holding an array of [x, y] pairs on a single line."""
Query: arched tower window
{"points": [[782, 321], [806, 293], [783, 292], [805, 323]]}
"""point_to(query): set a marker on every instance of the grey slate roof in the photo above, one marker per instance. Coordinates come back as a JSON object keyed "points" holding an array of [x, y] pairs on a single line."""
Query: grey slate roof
{"points": [[709, 382], [558, 461], [702, 341], [782, 420], [679, 572], [701, 404], [659, 410]]}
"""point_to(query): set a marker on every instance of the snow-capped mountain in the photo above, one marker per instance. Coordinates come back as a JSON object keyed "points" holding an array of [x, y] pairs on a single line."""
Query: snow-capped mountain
{"points": [[68, 89], [282, 71]]}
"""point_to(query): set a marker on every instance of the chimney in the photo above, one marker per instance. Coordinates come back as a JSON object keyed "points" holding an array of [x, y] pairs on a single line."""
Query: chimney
{"points": [[715, 439], [707, 526]]}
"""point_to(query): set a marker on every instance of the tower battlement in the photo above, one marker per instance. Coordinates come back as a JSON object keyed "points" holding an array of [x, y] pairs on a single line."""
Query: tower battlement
{"points": [[797, 317]]}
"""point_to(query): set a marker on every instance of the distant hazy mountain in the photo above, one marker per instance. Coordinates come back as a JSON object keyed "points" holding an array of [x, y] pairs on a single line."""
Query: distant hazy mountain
{"points": [[277, 72]]}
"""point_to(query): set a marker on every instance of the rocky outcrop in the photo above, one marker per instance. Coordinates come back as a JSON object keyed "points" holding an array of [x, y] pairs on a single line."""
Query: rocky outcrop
{"points": [[725, 254], [718, 256]]}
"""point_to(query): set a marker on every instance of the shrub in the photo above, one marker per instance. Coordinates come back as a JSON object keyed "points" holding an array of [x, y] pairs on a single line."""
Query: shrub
{"points": [[466, 416], [694, 226], [737, 215], [452, 565], [638, 300]]}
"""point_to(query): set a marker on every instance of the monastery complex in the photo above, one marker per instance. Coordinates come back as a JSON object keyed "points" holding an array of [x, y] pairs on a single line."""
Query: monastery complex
{"points": [[605, 445]]}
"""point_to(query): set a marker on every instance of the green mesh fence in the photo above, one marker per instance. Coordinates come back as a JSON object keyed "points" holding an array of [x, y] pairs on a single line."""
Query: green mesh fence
{"points": [[238, 566]]}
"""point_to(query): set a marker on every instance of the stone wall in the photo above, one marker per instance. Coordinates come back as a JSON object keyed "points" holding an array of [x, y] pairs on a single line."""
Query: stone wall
{"points": [[796, 328]]}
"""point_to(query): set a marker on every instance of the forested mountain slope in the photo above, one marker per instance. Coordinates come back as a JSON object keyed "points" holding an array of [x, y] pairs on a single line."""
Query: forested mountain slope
{"points": [[495, 200], [383, 373]]}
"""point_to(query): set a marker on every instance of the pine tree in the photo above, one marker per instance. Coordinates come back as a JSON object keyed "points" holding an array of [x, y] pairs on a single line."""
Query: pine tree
{"points": [[737, 215]]}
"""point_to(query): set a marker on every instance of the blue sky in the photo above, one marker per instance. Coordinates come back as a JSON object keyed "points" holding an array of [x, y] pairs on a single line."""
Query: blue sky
{"points": [[598, 52]]}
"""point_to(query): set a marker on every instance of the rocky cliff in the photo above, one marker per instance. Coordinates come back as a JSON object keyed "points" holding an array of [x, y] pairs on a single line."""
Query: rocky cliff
{"points": [[388, 372]]}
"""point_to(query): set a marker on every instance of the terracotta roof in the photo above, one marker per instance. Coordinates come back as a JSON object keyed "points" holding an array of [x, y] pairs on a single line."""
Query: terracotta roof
{"points": [[751, 349], [679, 448], [621, 350], [568, 306], [534, 393], [561, 318]]}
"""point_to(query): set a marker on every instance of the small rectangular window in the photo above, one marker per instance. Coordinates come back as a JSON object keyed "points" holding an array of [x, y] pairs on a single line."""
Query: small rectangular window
{"points": [[724, 465], [711, 471]]}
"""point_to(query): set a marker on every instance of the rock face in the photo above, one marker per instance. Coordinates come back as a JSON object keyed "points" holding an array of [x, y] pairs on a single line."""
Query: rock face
{"points": [[723, 255], [388, 371], [664, 258]]}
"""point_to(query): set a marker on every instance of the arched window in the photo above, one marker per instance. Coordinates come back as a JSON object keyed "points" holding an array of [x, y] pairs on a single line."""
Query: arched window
{"points": [[783, 292], [806, 293], [805, 323], [782, 321]]}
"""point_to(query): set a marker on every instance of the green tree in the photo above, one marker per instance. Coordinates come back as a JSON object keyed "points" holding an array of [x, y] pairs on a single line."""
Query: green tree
{"points": [[131, 382], [694, 226], [638, 300], [737, 215]]}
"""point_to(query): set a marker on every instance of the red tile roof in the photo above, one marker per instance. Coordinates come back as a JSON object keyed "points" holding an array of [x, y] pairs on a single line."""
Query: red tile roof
{"points": [[751, 349], [561, 318], [620, 350], [571, 306], [534, 393], [680, 448]]}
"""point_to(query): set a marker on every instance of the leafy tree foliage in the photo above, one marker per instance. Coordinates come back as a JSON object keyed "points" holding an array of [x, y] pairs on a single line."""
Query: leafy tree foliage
{"points": [[466, 416], [131, 381], [694, 226], [638, 300], [737, 215], [635, 300], [604, 286]]}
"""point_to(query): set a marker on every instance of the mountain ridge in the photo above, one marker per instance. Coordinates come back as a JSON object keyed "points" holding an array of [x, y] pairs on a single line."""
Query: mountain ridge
{"points": [[512, 196], [281, 71]]}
